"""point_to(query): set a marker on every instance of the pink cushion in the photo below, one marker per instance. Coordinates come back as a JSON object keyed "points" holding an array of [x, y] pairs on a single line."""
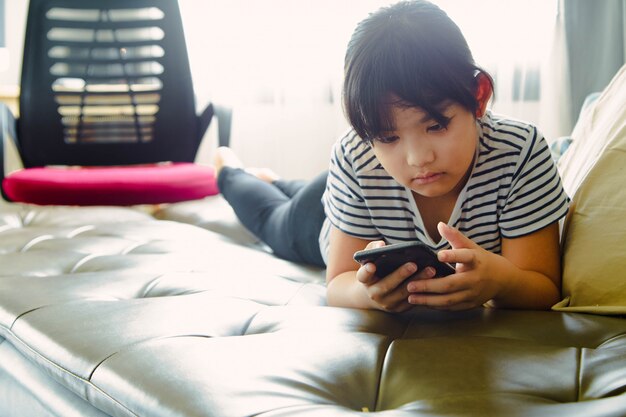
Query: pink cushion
{"points": [[127, 185]]}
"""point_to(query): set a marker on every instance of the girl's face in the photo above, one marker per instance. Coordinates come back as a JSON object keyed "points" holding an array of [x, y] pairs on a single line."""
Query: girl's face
{"points": [[431, 159]]}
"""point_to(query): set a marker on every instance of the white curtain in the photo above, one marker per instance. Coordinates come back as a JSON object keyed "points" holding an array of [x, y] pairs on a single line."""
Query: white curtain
{"points": [[278, 63], [556, 118], [511, 40]]}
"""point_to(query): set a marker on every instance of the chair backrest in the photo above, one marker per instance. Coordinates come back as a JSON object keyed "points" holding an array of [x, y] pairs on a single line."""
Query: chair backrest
{"points": [[106, 82]]}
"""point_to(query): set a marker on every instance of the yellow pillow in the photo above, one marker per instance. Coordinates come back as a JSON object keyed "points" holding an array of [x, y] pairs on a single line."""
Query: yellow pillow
{"points": [[594, 234]]}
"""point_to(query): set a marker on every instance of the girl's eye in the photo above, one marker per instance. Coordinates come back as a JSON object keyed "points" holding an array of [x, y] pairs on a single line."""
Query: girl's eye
{"points": [[439, 125], [387, 139], [435, 128]]}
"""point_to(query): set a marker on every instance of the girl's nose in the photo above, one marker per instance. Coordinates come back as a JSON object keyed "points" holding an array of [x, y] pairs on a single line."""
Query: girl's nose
{"points": [[419, 154]]}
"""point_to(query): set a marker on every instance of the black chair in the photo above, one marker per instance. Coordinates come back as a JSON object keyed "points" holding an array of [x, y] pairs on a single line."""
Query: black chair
{"points": [[107, 83]]}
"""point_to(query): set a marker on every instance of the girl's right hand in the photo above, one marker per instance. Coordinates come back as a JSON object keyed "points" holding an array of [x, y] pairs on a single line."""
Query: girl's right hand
{"points": [[388, 293]]}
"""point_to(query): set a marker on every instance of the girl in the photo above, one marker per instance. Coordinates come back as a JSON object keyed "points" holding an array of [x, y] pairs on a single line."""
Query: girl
{"points": [[425, 160]]}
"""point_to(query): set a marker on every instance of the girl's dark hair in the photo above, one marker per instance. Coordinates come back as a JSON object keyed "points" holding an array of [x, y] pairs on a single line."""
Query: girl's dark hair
{"points": [[414, 51]]}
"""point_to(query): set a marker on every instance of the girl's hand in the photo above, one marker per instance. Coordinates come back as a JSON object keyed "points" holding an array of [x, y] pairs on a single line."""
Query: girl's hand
{"points": [[475, 282], [389, 293]]}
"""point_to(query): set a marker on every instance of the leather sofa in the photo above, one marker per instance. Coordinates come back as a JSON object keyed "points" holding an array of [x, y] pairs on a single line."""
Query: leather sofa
{"points": [[110, 311]]}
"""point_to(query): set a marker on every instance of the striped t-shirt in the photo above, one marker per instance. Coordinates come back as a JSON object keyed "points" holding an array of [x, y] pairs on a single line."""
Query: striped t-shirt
{"points": [[513, 190]]}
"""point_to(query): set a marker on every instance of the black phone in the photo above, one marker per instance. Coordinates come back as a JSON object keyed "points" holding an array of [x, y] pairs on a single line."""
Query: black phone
{"points": [[390, 257]]}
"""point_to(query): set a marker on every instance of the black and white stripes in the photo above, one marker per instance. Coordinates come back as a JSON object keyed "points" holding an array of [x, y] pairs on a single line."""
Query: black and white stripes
{"points": [[514, 190]]}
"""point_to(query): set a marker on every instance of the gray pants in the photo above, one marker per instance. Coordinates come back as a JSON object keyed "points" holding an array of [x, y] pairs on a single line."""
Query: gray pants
{"points": [[285, 215]]}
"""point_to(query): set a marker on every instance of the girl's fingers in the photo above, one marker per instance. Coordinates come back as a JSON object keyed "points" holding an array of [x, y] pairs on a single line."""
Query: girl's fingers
{"points": [[455, 237], [375, 244], [389, 292], [444, 285], [427, 273], [396, 278], [448, 301], [461, 256], [366, 274]]}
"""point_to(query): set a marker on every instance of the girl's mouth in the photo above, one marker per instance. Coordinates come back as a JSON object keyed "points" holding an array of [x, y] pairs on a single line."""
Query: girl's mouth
{"points": [[427, 178]]}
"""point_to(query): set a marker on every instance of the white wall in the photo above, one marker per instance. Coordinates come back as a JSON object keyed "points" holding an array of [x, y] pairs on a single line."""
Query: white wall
{"points": [[294, 140]]}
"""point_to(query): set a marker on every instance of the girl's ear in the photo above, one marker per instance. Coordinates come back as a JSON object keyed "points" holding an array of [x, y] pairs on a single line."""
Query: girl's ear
{"points": [[483, 93]]}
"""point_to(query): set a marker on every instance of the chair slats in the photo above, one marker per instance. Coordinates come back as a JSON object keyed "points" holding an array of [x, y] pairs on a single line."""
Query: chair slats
{"points": [[82, 36], [103, 24], [107, 70], [119, 54], [97, 99], [93, 15], [106, 44], [135, 56]]}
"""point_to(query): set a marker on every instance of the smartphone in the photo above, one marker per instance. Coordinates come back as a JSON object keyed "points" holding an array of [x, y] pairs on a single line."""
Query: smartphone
{"points": [[390, 257]]}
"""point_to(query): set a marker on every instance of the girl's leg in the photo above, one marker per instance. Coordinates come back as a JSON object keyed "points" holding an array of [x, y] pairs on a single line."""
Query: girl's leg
{"points": [[290, 187], [253, 200], [289, 226], [305, 214]]}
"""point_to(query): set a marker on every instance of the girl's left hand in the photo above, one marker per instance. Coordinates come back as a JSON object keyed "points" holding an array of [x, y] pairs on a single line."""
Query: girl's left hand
{"points": [[475, 282]]}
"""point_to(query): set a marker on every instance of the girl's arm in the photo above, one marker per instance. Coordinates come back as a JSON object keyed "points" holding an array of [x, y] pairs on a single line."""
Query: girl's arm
{"points": [[537, 257], [349, 285], [526, 275]]}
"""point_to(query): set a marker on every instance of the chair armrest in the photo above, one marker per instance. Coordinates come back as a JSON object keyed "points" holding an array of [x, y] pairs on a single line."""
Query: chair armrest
{"points": [[204, 120], [224, 117], [7, 132], [224, 123]]}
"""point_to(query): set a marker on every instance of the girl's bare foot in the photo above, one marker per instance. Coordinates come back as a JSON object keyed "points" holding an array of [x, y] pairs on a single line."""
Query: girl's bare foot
{"points": [[225, 157]]}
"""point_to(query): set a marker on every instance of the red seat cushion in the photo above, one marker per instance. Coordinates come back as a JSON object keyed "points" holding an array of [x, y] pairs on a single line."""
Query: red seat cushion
{"points": [[127, 185]]}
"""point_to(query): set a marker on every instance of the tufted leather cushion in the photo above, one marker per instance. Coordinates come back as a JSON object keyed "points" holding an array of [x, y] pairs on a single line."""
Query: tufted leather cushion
{"points": [[107, 311]]}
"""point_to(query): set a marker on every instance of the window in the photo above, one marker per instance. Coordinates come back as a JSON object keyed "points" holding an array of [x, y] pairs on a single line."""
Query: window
{"points": [[4, 58]]}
